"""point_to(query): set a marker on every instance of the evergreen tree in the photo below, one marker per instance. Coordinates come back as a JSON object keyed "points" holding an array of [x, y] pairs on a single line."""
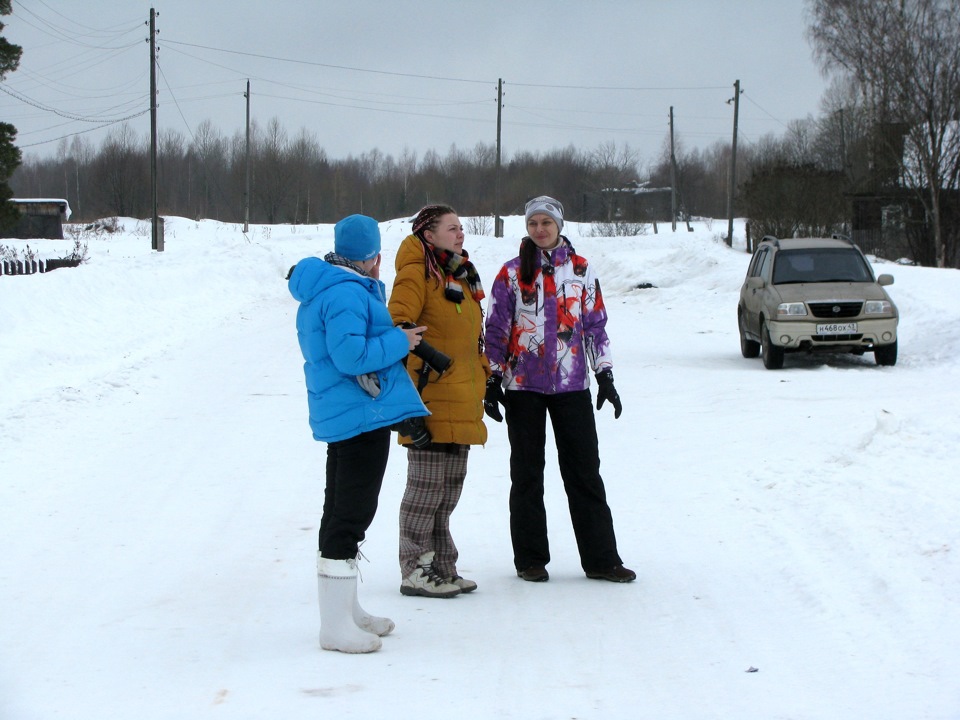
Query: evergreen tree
{"points": [[9, 153]]}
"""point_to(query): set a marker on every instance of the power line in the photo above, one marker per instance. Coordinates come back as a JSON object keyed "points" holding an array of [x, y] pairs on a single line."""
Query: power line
{"points": [[69, 33], [81, 132], [380, 110], [447, 79], [553, 122], [765, 111], [326, 65], [618, 88], [558, 119], [61, 113], [333, 92], [76, 23]]}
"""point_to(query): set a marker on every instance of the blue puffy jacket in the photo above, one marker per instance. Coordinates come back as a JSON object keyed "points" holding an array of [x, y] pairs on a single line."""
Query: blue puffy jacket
{"points": [[345, 332]]}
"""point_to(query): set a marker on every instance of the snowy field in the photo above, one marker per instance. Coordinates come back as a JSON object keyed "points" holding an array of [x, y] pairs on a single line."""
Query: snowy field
{"points": [[795, 532]]}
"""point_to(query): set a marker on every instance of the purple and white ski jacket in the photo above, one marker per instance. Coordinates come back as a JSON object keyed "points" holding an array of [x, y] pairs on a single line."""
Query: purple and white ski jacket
{"points": [[545, 335]]}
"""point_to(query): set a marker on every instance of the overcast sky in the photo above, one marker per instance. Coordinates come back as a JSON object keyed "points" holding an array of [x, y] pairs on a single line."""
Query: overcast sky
{"points": [[415, 76]]}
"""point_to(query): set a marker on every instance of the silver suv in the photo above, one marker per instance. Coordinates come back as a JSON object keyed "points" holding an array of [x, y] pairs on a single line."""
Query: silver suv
{"points": [[815, 294]]}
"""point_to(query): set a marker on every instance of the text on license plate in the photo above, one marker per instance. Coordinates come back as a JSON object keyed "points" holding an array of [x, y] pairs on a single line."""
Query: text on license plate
{"points": [[836, 328]]}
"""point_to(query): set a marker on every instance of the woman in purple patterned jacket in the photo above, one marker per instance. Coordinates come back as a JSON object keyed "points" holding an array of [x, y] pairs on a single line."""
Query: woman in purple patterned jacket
{"points": [[545, 328]]}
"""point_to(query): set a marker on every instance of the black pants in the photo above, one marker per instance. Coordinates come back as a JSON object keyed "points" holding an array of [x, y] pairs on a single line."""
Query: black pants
{"points": [[575, 430], [355, 470]]}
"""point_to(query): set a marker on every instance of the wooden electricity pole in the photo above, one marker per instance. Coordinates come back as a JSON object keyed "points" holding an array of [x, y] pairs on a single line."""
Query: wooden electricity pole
{"points": [[673, 178], [156, 237], [733, 161], [497, 222], [246, 192]]}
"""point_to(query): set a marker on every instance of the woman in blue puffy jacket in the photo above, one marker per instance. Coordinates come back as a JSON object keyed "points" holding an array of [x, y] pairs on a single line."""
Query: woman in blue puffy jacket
{"points": [[357, 390]]}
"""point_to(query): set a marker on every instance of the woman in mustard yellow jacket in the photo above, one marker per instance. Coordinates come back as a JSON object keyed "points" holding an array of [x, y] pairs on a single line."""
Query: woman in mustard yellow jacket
{"points": [[438, 287]]}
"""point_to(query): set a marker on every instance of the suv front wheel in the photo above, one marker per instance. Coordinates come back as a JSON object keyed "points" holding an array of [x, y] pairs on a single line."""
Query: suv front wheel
{"points": [[748, 348], [772, 354], [886, 354]]}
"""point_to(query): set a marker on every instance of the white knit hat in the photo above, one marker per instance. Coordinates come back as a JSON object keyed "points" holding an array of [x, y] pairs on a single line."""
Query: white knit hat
{"points": [[545, 205]]}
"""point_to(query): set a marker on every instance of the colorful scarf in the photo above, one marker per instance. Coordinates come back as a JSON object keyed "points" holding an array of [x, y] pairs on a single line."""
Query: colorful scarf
{"points": [[451, 268], [341, 261]]}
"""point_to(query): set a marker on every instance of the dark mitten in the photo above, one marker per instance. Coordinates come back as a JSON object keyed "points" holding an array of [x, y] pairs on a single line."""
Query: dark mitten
{"points": [[494, 398], [606, 391]]}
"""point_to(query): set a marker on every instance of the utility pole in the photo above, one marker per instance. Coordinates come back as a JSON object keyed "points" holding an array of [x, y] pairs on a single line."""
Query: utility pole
{"points": [[497, 222], [156, 237], [733, 161], [673, 178], [246, 192]]}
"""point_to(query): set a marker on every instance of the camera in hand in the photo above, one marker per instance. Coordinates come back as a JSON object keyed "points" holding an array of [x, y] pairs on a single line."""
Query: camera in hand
{"points": [[414, 428], [437, 361]]}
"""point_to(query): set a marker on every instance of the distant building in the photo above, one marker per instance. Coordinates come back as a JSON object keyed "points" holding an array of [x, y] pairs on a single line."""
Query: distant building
{"points": [[637, 202], [894, 224], [41, 218]]}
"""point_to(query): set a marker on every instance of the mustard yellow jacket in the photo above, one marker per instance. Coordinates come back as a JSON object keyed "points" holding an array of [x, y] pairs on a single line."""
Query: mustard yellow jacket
{"points": [[455, 400]]}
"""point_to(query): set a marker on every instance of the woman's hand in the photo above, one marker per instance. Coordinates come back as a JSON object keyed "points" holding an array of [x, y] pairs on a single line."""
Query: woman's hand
{"points": [[414, 335]]}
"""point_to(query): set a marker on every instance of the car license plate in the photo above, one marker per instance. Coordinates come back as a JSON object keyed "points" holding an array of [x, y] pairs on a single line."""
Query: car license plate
{"points": [[837, 328]]}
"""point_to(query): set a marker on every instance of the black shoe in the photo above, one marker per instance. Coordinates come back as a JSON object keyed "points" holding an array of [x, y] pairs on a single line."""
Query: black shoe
{"points": [[534, 573], [618, 573]]}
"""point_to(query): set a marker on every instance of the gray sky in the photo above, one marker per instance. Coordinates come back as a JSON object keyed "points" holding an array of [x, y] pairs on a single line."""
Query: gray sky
{"points": [[399, 75]]}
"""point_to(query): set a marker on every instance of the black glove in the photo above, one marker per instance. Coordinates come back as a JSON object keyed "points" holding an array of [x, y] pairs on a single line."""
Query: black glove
{"points": [[494, 397], [414, 428], [606, 391]]}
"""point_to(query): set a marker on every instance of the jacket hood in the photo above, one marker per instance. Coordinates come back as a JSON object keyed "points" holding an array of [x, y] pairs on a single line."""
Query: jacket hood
{"points": [[410, 252], [311, 276]]}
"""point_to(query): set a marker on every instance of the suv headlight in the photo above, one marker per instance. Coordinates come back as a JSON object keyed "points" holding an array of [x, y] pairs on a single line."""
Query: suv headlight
{"points": [[877, 307], [795, 308]]}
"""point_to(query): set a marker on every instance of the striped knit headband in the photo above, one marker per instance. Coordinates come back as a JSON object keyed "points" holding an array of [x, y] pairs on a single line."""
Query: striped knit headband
{"points": [[428, 217]]}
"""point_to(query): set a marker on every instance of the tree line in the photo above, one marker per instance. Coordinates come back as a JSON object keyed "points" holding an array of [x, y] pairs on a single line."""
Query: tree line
{"points": [[882, 160], [294, 180]]}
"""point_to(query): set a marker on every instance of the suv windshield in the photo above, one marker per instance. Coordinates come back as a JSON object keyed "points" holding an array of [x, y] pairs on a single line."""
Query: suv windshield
{"points": [[817, 265]]}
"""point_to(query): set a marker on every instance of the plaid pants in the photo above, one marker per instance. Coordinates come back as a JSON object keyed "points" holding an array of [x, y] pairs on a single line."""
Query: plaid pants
{"points": [[434, 484]]}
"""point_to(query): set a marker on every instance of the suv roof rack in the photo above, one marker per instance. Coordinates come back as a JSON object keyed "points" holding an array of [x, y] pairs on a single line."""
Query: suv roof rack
{"points": [[841, 236]]}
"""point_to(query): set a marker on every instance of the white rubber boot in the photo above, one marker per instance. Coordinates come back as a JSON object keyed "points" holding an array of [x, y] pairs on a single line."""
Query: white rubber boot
{"points": [[337, 583], [365, 621]]}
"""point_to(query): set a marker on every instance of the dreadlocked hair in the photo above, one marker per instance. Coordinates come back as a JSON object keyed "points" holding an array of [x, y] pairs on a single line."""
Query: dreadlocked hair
{"points": [[426, 220], [428, 217]]}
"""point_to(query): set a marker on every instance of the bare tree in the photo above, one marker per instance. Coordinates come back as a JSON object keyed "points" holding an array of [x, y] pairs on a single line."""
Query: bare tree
{"points": [[271, 188], [407, 169], [172, 185], [904, 56], [842, 140], [614, 168], [303, 153], [120, 175], [798, 141], [209, 150], [81, 152]]}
